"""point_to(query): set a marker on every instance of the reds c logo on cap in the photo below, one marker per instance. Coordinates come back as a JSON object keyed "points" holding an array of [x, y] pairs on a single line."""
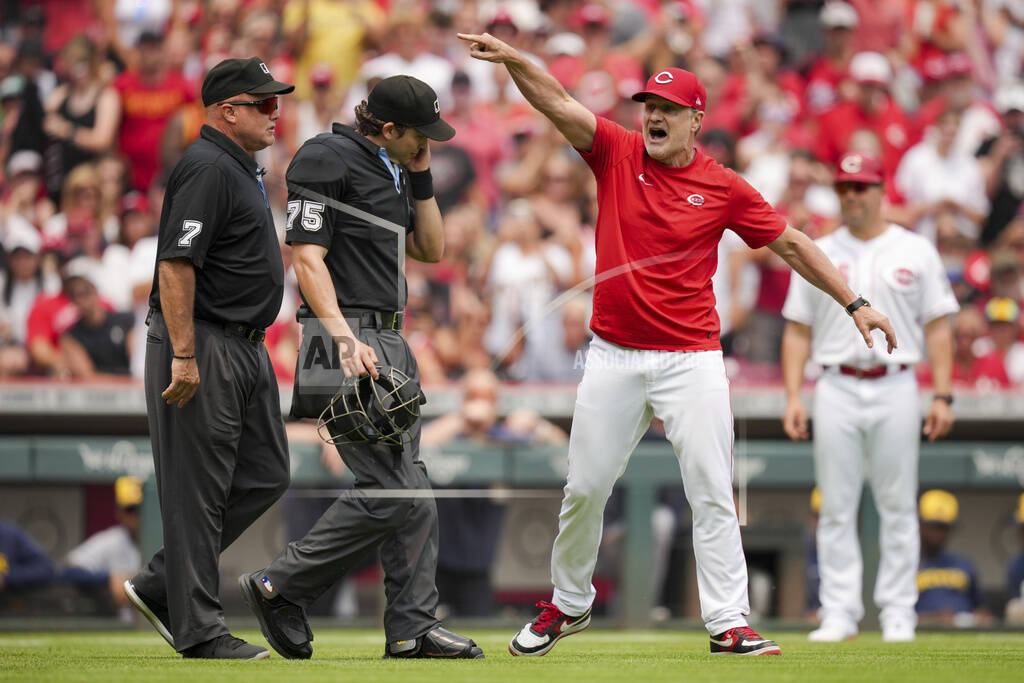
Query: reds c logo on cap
{"points": [[663, 78], [852, 164]]}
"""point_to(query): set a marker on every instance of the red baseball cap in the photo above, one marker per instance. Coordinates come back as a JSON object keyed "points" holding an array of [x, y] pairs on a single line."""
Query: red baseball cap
{"points": [[859, 168], [675, 85]]}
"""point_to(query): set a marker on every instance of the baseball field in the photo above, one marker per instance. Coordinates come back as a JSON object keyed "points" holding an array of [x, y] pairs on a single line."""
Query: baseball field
{"points": [[621, 656]]}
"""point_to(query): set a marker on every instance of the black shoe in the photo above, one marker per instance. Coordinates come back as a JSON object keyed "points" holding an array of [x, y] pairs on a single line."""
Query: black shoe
{"points": [[156, 614], [438, 644], [283, 622], [225, 647]]}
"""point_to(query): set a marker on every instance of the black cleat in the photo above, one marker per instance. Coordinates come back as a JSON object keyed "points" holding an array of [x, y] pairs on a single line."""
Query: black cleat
{"points": [[225, 647], [743, 640], [156, 614], [283, 622], [438, 644]]}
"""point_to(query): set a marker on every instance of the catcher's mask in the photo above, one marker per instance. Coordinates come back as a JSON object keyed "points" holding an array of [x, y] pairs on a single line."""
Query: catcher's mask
{"points": [[367, 410]]}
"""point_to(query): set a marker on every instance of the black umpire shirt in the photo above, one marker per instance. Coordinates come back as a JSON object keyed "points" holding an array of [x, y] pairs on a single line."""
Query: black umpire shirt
{"points": [[215, 214], [362, 258]]}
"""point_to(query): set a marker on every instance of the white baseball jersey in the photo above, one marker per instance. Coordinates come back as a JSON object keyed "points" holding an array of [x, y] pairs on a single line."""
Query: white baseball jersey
{"points": [[899, 272]]}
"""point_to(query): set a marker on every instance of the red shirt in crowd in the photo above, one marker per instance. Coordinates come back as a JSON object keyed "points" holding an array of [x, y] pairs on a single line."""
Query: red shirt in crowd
{"points": [[891, 126], [823, 81], [658, 230], [51, 316], [145, 111]]}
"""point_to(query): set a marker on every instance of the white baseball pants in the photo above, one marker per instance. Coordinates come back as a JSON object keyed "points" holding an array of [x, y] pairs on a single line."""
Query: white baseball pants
{"points": [[867, 428], [620, 392]]}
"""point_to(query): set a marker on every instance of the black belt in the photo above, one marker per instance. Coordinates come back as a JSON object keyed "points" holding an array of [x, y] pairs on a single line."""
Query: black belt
{"points": [[380, 320], [253, 335]]}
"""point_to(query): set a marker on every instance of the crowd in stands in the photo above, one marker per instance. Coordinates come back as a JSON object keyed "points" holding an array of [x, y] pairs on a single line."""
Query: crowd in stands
{"points": [[99, 100]]}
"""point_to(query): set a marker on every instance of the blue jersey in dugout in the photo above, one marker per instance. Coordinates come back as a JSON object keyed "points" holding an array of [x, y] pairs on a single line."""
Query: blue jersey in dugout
{"points": [[1015, 577], [947, 583]]}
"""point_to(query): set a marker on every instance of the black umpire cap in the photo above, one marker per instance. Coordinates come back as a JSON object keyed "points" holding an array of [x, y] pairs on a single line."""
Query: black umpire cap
{"points": [[410, 102], [236, 76]]}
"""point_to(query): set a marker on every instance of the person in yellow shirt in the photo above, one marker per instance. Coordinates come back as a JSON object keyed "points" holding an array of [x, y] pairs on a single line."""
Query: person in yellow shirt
{"points": [[332, 32]]}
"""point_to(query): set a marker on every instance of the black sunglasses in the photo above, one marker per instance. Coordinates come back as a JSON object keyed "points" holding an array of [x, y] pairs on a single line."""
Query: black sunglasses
{"points": [[267, 106], [858, 187]]}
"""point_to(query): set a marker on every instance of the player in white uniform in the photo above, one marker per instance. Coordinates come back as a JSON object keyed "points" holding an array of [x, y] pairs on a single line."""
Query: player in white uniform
{"points": [[663, 206], [866, 415]]}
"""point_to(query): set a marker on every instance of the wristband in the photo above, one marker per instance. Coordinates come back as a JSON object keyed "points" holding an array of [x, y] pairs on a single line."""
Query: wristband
{"points": [[177, 357], [948, 398], [422, 184], [857, 303]]}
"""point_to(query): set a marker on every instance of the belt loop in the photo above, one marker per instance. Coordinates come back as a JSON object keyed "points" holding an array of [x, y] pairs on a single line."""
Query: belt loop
{"points": [[378, 320]]}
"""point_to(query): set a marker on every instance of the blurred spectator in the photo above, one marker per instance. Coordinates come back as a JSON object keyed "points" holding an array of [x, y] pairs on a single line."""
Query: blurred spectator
{"points": [[23, 564], [1003, 21], [958, 90], [24, 193], [126, 21], [1005, 330], [524, 274], [99, 342], [947, 583], [944, 190], [334, 32], [472, 525], [20, 283], [312, 116], [561, 356], [475, 126], [112, 172], [138, 228], [50, 317], [82, 115], [602, 74], [1015, 573], [83, 223], [105, 560], [150, 94], [1002, 162], [22, 126], [871, 109], [985, 373], [407, 52]]}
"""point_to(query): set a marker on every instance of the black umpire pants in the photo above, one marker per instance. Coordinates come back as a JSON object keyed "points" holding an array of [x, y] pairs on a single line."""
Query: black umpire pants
{"points": [[404, 529], [221, 461]]}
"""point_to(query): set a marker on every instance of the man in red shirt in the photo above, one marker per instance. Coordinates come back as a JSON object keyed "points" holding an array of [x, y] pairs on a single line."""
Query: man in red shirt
{"points": [[150, 94], [872, 110], [663, 207]]}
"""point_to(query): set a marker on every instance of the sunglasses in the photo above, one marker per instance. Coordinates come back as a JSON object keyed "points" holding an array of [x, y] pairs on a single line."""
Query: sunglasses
{"points": [[267, 106], [858, 187]]}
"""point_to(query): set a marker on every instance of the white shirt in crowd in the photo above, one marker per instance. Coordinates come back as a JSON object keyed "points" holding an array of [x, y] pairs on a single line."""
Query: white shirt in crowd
{"points": [[924, 177], [899, 272]]}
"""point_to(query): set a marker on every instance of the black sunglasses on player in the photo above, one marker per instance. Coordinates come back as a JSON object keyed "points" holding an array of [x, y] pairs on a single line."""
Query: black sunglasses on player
{"points": [[266, 106], [859, 187]]}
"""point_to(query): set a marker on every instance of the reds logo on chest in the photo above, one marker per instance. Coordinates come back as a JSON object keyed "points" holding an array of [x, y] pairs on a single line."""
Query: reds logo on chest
{"points": [[904, 276]]}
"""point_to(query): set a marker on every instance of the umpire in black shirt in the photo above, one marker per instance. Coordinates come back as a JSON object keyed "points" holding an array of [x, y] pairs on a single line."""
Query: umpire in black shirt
{"points": [[360, 199], [214, 412]]}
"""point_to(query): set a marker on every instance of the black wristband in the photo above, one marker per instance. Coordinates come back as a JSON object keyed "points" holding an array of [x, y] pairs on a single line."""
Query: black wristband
{"points": [[177, 357], [857, 303], [948, 398], [422, 184]]}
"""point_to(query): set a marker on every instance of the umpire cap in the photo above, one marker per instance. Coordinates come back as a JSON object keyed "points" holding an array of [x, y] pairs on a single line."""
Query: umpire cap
{"points": [[410, 102], [236, 76]]}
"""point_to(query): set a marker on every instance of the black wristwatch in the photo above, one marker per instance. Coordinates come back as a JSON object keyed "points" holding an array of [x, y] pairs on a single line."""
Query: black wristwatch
{"points": [[948, 398], [857, 303]]}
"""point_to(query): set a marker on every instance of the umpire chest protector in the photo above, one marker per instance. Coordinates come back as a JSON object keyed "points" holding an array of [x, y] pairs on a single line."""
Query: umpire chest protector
{"points": [[364, 260]]}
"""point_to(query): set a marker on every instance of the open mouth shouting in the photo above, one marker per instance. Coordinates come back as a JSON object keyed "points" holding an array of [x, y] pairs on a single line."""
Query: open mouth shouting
{"points": [[657, 133]]}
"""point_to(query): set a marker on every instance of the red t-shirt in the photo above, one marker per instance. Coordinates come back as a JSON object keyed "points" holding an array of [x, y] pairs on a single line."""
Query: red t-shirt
{"points": [[51, 316], [891, 126], [145, 111], [657, 234]]}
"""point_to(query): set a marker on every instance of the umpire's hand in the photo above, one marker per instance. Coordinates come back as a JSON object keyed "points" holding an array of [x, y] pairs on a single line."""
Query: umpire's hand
{"points": [[357, 358], [184, 382]]}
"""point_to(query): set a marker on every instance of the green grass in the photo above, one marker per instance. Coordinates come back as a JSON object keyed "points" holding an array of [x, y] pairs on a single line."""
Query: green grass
{"points": [[598, 655]]}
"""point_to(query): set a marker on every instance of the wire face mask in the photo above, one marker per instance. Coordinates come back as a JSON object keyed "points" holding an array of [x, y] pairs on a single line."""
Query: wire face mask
{"points": [[365, 410]]}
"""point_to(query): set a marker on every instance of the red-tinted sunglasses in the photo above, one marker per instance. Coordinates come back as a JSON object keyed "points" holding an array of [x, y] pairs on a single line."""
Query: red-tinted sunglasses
{"points": [[267, 106], [858, 187]]}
